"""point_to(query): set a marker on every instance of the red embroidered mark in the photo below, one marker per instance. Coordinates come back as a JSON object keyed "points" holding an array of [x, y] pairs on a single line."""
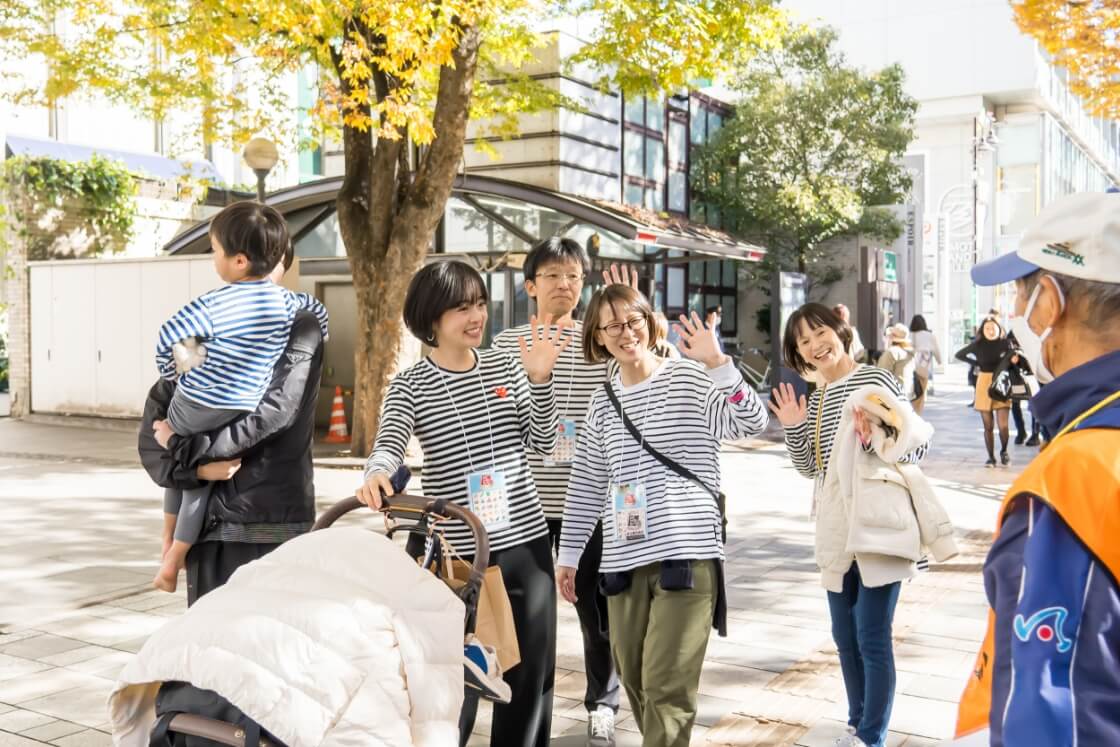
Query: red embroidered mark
{"points": [[501, 392], [737, 397]]}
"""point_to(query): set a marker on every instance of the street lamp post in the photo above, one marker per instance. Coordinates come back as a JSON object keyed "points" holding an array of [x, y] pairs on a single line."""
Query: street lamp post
{"points": [[983, 140], [261, 155]]}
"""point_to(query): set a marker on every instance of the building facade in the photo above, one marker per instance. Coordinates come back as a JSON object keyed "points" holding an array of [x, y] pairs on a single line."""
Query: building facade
{"points": [[999, 135]]}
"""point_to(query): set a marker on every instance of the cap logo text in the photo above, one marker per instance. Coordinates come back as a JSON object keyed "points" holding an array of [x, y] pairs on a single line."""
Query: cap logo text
{"points": [[1062, 251]]}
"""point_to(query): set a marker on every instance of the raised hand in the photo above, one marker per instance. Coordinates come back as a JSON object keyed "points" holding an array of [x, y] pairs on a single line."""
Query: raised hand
{"points": [[699, 342], [623, 275], [786, 406], [542, 348]]}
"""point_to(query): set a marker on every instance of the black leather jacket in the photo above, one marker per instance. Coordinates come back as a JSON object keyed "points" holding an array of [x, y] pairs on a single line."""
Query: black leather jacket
{"points": [[275, 483]]}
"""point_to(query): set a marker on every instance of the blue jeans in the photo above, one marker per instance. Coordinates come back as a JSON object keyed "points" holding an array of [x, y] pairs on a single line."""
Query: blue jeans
{"points": [[861, 627]]}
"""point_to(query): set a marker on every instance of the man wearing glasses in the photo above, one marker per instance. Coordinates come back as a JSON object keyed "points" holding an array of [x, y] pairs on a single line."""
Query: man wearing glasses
{"points": [[555, 270]]}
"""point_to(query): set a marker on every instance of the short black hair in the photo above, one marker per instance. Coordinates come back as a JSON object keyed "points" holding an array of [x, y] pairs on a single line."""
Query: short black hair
{"points": [[718, 309], [918, 324], [815, 315], [552, 250], [289, 257], [255, 230], [437, 288]]}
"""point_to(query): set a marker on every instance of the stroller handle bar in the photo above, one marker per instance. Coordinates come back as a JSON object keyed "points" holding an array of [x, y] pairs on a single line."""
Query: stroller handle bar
{"points": [[217, 731], [403, 505]]}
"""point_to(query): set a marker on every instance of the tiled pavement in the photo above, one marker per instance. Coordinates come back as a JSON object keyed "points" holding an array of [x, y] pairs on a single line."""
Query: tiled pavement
{"points": [[77, 540]]}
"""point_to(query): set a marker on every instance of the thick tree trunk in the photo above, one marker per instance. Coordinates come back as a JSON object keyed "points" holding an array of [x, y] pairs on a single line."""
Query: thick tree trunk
{"points": [[388, 229]]}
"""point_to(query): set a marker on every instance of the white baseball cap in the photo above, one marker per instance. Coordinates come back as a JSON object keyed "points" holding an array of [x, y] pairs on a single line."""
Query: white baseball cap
{"points": [[1077, 235]]}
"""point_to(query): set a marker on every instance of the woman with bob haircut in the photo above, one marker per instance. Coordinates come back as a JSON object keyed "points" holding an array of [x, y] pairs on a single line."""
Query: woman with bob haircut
{"points": [[475, 413], [862, 604], [662, 544]]}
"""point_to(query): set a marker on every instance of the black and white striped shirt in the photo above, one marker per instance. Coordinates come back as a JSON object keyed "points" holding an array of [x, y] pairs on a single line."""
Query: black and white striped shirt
{"points": [[574, 381], [683, 411], [801, 439], [470, 421]]}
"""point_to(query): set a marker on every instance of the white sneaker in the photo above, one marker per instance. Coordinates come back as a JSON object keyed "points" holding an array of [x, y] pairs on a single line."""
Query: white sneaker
{"points": [[851, 740], [600, 727]]}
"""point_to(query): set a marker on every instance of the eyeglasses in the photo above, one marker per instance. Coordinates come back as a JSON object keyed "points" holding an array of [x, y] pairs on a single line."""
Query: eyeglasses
{"points": [[556, 277], [615, 328]]}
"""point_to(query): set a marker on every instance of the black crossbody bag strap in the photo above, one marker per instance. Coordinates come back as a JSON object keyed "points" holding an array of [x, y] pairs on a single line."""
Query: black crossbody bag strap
{"points": [[677, 468]]}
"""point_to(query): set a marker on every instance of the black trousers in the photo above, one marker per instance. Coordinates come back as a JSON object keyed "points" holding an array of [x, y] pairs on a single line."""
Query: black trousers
{"points": [[603, 687], [210, 564], [1020, 421], [530, 580]]}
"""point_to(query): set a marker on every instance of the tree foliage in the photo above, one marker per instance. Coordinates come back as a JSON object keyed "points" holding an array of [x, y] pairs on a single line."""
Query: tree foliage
{"points": [[392, 75], [1084, 38], [814, 145]]}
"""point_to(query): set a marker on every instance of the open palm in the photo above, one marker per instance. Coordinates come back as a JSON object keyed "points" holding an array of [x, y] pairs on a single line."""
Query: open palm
{"points": [[787, 406], [699, 342], [542, 348]]}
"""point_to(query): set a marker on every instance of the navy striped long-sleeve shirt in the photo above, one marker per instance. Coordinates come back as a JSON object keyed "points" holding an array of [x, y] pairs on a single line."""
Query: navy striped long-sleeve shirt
{"points": [[245, 327]]}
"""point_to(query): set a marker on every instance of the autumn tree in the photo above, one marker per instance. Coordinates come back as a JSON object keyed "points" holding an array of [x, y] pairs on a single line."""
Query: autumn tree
{"points": [[1082, 36], [814, 146], [394, 75]]}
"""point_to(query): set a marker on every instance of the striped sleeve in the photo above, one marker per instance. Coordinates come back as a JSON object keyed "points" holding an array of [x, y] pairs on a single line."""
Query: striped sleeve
{"points": [[536, 409], [733, 409], [394, 430], [799, 442], [306, 301], [587, 489], [193, 320]]}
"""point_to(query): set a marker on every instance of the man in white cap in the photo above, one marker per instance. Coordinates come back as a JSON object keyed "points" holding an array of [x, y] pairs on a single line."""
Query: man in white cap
{"points": [[1049, 669]]}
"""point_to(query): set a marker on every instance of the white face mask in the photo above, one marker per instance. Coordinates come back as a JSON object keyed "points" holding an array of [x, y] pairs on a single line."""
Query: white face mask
{"points": [[1029, 342]]}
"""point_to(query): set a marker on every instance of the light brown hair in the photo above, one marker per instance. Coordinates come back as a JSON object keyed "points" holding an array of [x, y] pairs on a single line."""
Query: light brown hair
{"points": [[617, 298]]}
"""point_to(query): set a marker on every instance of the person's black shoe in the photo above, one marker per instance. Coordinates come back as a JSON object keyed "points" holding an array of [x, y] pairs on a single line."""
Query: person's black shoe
{"points": [[990, 463], [1020, 438], [1004, 458], [1033, 440]]}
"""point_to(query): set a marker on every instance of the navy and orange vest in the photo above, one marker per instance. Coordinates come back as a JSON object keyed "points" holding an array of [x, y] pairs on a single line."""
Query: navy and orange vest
{"points": [[1078, 477]]}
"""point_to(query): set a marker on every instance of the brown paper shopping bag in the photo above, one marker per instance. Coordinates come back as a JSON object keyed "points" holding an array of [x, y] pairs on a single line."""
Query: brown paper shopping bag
{"points": [[494, 619]]}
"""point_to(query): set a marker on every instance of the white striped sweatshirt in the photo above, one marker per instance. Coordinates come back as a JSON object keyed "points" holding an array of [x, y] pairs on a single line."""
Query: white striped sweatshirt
{"points": [[245, 327], [469, 421], [574, 380], [683, 410]]}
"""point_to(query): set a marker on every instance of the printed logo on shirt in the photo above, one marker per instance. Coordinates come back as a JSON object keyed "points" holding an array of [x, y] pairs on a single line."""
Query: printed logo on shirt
{"points": [[1047, 632], [501, 392]]}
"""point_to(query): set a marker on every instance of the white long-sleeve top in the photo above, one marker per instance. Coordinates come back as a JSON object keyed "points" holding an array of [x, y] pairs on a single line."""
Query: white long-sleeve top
{"points": [[683, 411], [470, 421]]}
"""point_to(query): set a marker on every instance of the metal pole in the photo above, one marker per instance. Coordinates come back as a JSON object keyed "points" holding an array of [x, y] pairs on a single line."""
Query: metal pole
{"points": [[261, 174], [975, 213]]}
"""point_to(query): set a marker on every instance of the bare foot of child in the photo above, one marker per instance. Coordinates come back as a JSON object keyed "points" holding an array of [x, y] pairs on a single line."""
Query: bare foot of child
{"points": [[168, 576], [168, 534]]}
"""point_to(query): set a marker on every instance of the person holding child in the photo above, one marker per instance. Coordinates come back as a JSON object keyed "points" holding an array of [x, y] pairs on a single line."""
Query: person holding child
{"points": [[244, 325]]}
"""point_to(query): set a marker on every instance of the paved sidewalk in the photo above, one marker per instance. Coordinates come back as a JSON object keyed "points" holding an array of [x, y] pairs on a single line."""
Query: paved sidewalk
{"points": [[79, 538]]}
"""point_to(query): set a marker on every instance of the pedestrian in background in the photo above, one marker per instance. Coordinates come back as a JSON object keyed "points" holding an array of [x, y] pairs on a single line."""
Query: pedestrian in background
{"points": [[661, 345], [1046, 673], [986, 352], [662, 546], [862, 600], [898, 358], [1021, 435], [857, 350], [926, 351]]}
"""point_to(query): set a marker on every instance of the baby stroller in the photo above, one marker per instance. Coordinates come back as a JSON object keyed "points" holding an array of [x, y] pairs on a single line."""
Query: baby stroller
{"points": [[192, 717]]}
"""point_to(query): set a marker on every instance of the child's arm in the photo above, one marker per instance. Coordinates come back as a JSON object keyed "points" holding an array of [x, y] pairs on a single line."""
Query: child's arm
{"points": [[312, 304], [193, 320]]}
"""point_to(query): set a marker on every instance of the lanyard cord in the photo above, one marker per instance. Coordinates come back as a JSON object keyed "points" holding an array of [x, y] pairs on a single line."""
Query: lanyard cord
{"points": [[625, 434], [455, 406], [1091, 411]]}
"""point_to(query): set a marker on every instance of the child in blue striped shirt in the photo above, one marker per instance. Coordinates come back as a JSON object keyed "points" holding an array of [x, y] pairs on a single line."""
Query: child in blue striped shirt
{"points": [[244, 326]]}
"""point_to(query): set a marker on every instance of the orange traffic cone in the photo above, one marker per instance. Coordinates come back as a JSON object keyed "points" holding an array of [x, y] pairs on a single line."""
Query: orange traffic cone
{"points": [[338, 434]]}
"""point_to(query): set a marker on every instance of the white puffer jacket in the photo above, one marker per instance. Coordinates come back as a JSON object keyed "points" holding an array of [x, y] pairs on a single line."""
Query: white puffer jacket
{"points": [[334, 638], [872, 509]]}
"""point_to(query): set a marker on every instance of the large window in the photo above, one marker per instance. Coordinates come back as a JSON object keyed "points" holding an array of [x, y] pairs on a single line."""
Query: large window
{"points": [[644, 153], [698, 285], [706, 118]]}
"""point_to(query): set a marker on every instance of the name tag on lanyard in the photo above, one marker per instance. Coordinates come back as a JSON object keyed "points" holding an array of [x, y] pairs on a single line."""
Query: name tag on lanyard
{"points": [[489, 498], [630, 516], [565, 449]]}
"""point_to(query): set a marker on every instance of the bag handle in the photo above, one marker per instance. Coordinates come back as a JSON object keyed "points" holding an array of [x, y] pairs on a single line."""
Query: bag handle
{"points": [[669, 463]]}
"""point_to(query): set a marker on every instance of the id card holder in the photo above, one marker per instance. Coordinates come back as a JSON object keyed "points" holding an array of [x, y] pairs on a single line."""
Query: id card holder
{"points": [[488, 498], [818, 488], [565, 444], [629, 502]]}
